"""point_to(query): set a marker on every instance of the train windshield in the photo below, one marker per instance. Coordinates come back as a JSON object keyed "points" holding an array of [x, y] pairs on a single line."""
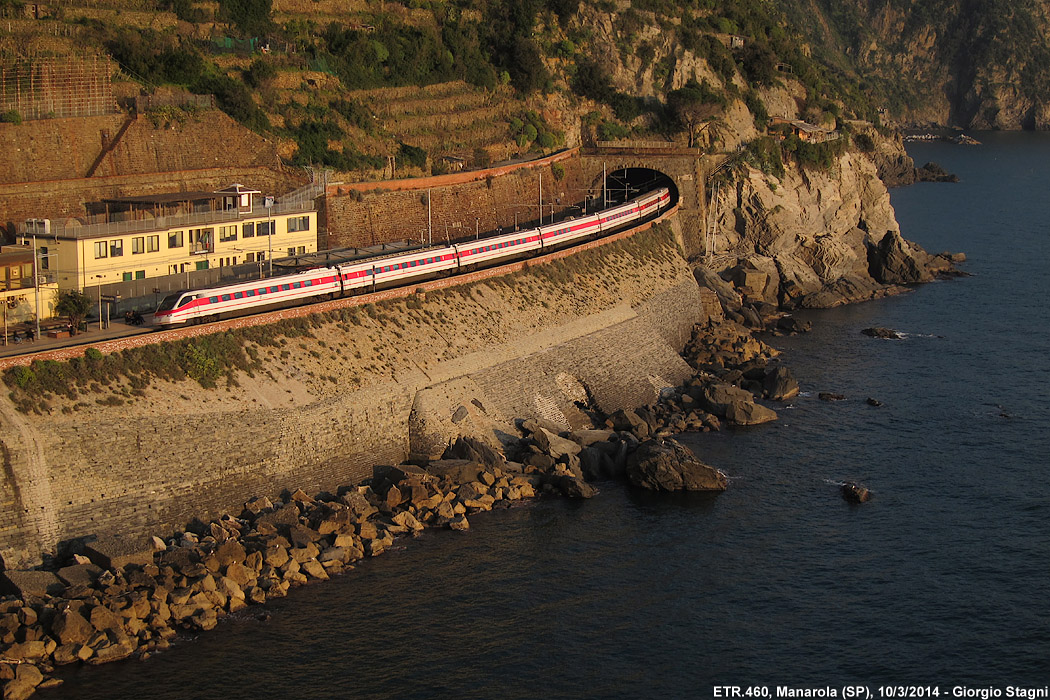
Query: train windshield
{"points": [[169, 302]]}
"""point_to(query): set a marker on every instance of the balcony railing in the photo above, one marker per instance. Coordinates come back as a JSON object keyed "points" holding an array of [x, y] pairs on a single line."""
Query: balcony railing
{"points": [[95, 227]]}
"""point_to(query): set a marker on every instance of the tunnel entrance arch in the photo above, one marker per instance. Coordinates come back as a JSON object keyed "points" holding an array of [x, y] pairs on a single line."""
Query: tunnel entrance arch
{"points": [[619, 185]]}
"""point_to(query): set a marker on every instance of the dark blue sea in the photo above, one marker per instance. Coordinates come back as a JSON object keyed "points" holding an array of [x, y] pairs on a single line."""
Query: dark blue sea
{"points": [[942, 580]]}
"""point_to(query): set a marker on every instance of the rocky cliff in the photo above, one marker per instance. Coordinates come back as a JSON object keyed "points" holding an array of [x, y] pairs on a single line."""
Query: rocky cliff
{"points": [[810, 237]]}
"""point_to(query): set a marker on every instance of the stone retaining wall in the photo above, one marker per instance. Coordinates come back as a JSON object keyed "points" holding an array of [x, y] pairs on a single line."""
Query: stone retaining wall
{"points": [[139, 473]]}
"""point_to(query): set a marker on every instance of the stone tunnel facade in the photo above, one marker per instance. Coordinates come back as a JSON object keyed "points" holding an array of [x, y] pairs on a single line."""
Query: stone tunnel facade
{"points": [[462, 206]]}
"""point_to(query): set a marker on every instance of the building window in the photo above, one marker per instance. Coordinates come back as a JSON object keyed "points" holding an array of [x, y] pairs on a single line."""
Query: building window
{"points": [[202, 240], [291, 252], [138, 245], [44, 258], [126, 277], [152, 244], [249, 258], [202, 264], [264, 228], [101, 250], [116, 248], [228, 233], [175, 239], [248, 229], [259, 257], [140, 274], [301, 250], [298, 223]]}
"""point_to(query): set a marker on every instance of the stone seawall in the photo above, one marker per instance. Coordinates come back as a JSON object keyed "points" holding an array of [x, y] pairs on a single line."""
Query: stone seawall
{"points": [[427, 371]]}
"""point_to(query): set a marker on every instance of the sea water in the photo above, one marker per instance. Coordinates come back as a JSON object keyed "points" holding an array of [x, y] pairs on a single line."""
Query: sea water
{"points": [[941, 581]]}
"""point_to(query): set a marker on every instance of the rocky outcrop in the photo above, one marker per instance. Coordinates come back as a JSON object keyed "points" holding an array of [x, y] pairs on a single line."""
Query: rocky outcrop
{"points": [[894, 260], [667, 465], [812, 239]]}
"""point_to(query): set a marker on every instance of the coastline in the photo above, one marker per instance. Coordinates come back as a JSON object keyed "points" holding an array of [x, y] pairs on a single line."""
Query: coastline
{"points": [[722, 386]]}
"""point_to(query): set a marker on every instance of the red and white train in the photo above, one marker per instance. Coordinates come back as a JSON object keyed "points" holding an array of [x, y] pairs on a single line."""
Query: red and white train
{"points": [[213, 303]]}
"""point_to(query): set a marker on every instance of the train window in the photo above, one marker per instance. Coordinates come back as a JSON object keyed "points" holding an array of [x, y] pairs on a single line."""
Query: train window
{"points": [[238, 295], [250, 293], [297, 285], [225, 297], [213, 300], [285, 287]]}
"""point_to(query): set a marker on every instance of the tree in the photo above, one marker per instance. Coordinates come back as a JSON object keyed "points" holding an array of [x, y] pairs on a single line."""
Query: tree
{"points": [[74, 305], [692, 106]]}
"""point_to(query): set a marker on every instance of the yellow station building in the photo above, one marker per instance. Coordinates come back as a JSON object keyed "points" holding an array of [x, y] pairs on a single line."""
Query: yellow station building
{"points": [[133, 238]]}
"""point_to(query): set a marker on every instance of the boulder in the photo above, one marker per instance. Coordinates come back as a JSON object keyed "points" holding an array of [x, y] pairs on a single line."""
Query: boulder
{"points": [[717, 397], [35, 650], [780, 384], [27, 678], [896, 261], [359, 505], [459, 471], [628, 421], [70, 627], [230, 552], [555, 446], [728, 297], [855, 493], [105, 620], [879, 332], [281, 519], [586, 438], [79, 574], [39, 584], [793, 326], [749, 413], [667, 465], [476, 451], [315, 570], [118, 552], [572, 486], [459, 522], [829, 396], [533, 424]]}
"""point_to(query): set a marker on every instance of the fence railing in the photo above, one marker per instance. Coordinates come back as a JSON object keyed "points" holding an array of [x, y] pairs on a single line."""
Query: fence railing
{"points": [[90, 227]]}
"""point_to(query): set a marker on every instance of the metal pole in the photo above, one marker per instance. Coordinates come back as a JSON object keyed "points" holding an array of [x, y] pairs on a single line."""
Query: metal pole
{"points": [[541, 198], [477, 228], [430, 220], [99, 301], [269, 241], [605, 187], [36, 286]]}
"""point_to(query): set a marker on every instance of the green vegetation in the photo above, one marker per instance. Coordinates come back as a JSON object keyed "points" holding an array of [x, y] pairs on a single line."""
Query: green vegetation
{"points": [[75, 306], [530, 129]]}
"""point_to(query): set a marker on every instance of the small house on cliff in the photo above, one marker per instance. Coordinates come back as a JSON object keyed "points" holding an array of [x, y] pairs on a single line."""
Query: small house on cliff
{"points": [[780, 128]]}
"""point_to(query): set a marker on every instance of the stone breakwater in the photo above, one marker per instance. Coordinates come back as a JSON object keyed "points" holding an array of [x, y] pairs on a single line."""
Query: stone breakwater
{"points": [[111, 601]]}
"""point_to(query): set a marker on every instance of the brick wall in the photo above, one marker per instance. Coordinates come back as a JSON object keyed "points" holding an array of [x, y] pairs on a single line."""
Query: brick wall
{"points": [[458, 206]]}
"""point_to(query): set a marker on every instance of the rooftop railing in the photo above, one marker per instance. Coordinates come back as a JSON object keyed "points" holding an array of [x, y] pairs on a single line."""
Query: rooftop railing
{"points": [[102, 226]]}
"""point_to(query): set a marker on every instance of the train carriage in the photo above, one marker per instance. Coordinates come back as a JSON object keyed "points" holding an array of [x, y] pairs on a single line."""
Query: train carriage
{"points": [[569, 230], [501, 247], [405, 267], [207, 304]]}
